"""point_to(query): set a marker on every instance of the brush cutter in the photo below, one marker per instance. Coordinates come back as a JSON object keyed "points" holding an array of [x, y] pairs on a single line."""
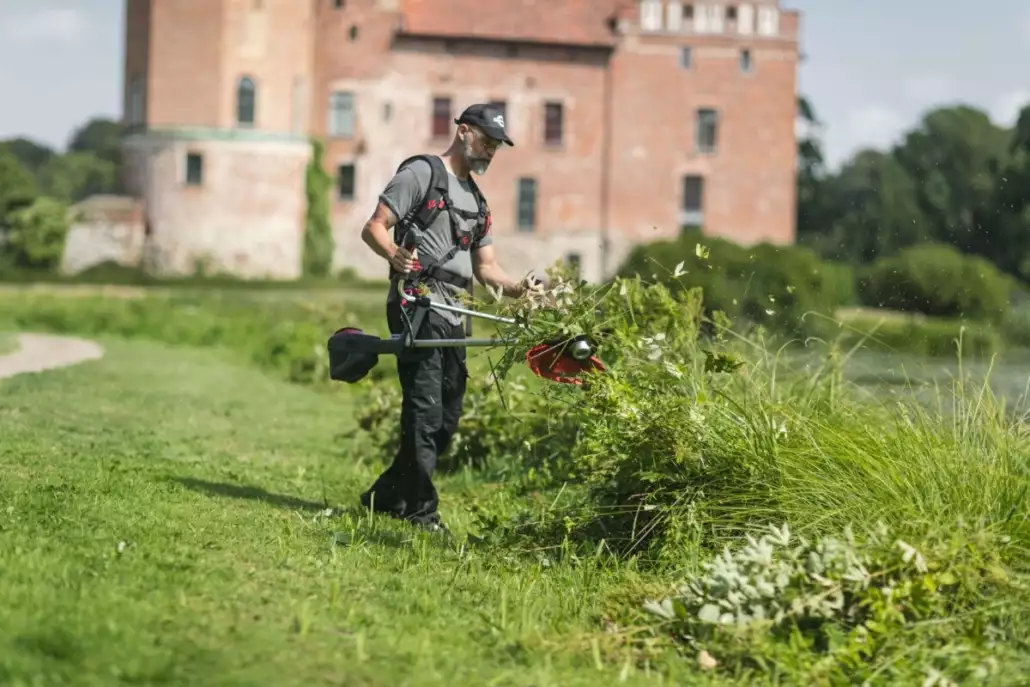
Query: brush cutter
{"points": [[354, 353]]}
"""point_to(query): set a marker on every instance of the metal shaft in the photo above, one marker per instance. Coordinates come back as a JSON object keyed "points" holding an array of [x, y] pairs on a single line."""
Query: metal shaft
{"points": [[458, 343], [465, 311]]}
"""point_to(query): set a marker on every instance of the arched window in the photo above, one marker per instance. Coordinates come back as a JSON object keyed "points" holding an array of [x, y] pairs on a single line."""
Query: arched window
{"points": [[246, 101]]}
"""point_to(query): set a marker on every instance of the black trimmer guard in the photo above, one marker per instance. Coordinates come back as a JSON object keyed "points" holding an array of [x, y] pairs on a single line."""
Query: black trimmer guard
{"points": [[353, 353]]}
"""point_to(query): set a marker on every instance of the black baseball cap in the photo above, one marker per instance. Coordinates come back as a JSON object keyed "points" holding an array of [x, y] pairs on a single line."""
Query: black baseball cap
{"points": [[488, 118]]}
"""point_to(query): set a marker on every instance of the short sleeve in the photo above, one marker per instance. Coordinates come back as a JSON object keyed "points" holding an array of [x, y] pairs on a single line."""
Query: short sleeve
{"points": [[406, 188], [487, 238]]}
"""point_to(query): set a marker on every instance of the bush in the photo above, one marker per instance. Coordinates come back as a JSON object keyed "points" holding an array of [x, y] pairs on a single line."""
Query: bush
{"points": [[318, 233], [682, 451], [283, 336], [936, 280], [773, 286], [932, 337], [828, 610], [37, 234]]}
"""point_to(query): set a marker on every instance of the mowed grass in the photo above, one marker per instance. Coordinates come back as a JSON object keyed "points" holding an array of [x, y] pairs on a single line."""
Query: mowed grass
{"points": [[164, 519], [8, 343]]}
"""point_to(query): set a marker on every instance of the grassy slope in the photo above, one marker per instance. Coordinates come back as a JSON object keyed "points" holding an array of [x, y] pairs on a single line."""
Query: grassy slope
{"points": [[161, 522]]}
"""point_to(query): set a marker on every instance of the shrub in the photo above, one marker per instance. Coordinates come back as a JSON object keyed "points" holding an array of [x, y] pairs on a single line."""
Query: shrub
{"points": [[932, 337], [831, 610], [284, 336], [682, 451], [773, 286], [318, 232], [37, 234], [936, 280]]}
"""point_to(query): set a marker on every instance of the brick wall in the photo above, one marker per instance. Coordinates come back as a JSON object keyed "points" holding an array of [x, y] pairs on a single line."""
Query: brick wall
{"points": [[616, 178]]}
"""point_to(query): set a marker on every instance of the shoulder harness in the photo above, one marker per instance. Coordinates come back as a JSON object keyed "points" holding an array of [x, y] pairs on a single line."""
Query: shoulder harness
{"points": [[423, 214]]}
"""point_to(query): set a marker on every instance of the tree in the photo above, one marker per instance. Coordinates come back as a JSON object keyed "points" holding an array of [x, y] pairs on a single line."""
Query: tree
{"points": [[76, 176], [318, 235], [1007, 242], [30, 154], [811, 175], [957, 155], [875, 210], [17, 185], [101, 137]]}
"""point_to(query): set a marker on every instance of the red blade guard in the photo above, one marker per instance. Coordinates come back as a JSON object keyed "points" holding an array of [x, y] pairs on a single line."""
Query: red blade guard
{"points": [[553, 362]]}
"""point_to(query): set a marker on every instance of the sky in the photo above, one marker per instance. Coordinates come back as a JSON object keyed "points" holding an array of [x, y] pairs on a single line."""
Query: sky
{"points": [[871, 67]]}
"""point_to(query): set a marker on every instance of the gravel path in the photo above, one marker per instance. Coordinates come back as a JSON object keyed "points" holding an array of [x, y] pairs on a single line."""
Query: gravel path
{"points": [[40, 352]]}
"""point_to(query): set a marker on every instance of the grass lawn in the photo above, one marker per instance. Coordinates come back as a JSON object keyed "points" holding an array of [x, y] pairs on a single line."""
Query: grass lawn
{"points": [[8, 343], [163, 520]]}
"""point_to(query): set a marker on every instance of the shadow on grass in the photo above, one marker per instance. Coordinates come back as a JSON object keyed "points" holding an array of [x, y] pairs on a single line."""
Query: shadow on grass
{"points": [[238, 491], [386, 537]]}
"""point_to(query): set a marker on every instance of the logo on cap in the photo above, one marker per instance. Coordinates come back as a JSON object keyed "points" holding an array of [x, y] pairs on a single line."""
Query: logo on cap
{"points": [[499, 121]]}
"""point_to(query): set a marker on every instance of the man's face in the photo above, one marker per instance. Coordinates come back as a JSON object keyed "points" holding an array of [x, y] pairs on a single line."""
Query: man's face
{"points": [[479, 149]]}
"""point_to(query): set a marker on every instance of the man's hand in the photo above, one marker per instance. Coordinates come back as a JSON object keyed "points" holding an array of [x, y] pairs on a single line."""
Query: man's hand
{"points": [[531, 285], [402, 261]]}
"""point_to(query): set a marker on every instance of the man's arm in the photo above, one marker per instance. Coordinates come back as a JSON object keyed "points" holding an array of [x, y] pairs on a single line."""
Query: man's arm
{"points": [[490, 273], [401, 193], [378, 232]]}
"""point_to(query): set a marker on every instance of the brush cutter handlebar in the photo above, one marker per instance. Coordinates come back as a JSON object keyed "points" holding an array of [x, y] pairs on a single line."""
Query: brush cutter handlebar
{"points": [[353, 353]]}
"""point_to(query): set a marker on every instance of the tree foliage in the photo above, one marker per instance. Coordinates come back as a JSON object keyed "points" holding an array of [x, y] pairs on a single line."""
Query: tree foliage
{"points": [[318, 234], [955, 178]]}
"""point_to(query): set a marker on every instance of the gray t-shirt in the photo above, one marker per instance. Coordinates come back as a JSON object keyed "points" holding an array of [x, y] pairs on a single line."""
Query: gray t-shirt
{"points": [[407, 188]]}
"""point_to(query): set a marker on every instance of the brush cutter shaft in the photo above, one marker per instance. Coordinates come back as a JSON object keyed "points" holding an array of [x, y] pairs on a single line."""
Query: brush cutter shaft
{"points": [[457, 343]]}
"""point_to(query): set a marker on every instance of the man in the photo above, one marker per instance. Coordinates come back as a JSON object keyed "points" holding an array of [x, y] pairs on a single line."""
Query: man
{"points": [[456, 245]]}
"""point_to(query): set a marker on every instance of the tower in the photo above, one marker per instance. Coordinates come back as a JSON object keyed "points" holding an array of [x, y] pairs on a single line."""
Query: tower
{"points": [[215, 108]]}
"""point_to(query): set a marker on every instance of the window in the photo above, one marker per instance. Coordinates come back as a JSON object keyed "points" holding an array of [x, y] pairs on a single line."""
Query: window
{"points": [[134, 114], [692, 206], [553, 121], [341, 114], [526, 192], [339, 4], [745, 60], [650, 15], [353, 33], [688, 11], [246, 101], [345, 182], [194, 169], [686, 57], [731, 13], [573, 261], [441, 117], [707, 130], [387, 111]]}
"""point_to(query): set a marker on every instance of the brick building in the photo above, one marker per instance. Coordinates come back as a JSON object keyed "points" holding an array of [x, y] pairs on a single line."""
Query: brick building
{"points": [[631, 118]]}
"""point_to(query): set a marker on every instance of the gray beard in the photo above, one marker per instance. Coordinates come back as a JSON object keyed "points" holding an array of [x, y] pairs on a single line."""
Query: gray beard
{"points": [[477, 165]]}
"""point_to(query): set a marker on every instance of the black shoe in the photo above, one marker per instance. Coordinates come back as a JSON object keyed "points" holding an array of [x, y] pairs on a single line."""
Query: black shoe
{"points": [[395, 508], [431, 522]]}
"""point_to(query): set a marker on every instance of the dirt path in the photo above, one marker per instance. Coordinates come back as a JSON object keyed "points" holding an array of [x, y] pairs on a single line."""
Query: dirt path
{"points": [[40, 352]]}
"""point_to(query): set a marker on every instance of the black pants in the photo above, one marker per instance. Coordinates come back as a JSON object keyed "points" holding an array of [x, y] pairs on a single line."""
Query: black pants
{"points": [[433, 382]]}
